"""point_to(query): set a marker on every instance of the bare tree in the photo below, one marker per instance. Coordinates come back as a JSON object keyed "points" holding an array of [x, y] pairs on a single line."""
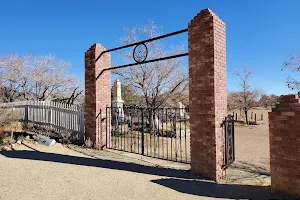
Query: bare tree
{"points": [[233, 101], [268, 101], [158, 81], [293, 64], [129, 96], [247, 98], [13, 76], [37, 78]]}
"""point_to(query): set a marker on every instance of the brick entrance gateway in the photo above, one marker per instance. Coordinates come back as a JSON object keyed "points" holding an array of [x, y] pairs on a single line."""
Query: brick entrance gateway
{"points": [[207, 93]]}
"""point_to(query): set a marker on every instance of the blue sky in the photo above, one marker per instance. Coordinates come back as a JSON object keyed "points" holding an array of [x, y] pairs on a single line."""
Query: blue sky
{"points": [[260, 34]]}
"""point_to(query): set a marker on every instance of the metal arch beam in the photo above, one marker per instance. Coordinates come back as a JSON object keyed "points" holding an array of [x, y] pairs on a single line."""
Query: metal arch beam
{"points": [[148, 61], [137, 43], [141, 42]]}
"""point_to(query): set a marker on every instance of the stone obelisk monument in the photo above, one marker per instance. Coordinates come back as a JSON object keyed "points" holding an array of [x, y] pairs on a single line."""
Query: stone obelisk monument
{"points": [[117, 102], [181, 109]]}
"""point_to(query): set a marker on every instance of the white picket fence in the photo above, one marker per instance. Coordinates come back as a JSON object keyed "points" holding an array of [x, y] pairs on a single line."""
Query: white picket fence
{"points": [[57, 116]]}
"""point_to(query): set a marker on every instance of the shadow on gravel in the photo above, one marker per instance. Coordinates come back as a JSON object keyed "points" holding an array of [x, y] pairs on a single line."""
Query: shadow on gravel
{"points": [[190, 185], [209, 189], [228, 191], [101, 163]]}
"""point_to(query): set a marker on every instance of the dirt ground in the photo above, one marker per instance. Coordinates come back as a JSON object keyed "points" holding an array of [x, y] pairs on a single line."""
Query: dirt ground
{"points": [[69, 172], [252, 164], [261, 114]]}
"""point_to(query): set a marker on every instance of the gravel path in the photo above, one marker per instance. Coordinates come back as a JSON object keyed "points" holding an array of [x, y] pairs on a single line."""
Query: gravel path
{"points": [[60, 173], [57, 172]]}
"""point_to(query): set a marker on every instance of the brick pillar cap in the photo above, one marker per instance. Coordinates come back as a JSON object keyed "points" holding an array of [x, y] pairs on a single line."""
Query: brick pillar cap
{"points": [[206, 12], [97, 46], [289, 96]]}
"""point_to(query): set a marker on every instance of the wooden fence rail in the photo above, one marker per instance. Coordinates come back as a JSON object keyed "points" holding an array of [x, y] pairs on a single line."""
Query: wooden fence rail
{"points": [[46, 114]]}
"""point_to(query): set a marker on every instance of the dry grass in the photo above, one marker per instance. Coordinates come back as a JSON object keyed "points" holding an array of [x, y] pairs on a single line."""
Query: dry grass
{"points": [[9, 122]]}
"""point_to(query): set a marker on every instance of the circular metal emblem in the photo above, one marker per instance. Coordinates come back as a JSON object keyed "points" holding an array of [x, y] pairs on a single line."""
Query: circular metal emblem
{"points": [[140, 53]]}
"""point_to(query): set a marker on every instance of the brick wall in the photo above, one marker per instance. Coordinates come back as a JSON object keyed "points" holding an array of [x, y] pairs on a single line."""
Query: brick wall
{"points": [[207, 93], [97, 93], [284, 133]]}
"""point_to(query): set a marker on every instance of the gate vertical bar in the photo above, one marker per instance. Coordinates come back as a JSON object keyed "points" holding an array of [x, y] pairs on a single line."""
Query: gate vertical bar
{"points": [[139, 114], [180, 145], [185, 146], [101, 131], [106, 127], [130, 126], [158, 153], [143, 142], [162, 132], [167, 134], [233, 139]]}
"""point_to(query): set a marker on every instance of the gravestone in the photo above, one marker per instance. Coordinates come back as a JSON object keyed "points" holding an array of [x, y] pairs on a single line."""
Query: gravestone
{"points": [[117, 103], [156, 122], [181, 109], [46, 141]]}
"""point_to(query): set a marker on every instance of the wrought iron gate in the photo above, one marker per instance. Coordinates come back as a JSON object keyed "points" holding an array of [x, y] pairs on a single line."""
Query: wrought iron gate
{"points": [[229, 154], [161, 133], [127, 127]]}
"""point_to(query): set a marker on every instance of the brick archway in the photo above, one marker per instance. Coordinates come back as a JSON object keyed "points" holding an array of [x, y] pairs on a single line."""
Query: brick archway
{"points": [[207, 95]]}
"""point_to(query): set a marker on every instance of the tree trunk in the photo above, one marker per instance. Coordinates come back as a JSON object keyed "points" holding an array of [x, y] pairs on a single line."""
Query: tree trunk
{"points": [[151, 120], [246, 116]]}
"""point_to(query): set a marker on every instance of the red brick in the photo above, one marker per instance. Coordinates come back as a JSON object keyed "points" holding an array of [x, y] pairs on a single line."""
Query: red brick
{"points": [[97, 94], [289, 96], [284, 131], [207, 67]]}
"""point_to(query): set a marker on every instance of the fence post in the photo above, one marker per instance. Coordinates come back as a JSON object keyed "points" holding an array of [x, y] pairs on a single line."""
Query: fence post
{"points": [[26, 114], [81, 123], [50, 116]]}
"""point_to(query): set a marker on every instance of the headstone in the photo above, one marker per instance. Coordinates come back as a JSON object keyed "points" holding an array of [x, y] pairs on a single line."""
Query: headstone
{"points": [[181, 109], [46, 141], [156, 121], [117, 102]]}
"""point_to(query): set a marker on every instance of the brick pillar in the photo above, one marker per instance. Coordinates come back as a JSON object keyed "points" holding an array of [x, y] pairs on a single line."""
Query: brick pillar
{"points": [[97, 93], [284, 133], [207, 93]]}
